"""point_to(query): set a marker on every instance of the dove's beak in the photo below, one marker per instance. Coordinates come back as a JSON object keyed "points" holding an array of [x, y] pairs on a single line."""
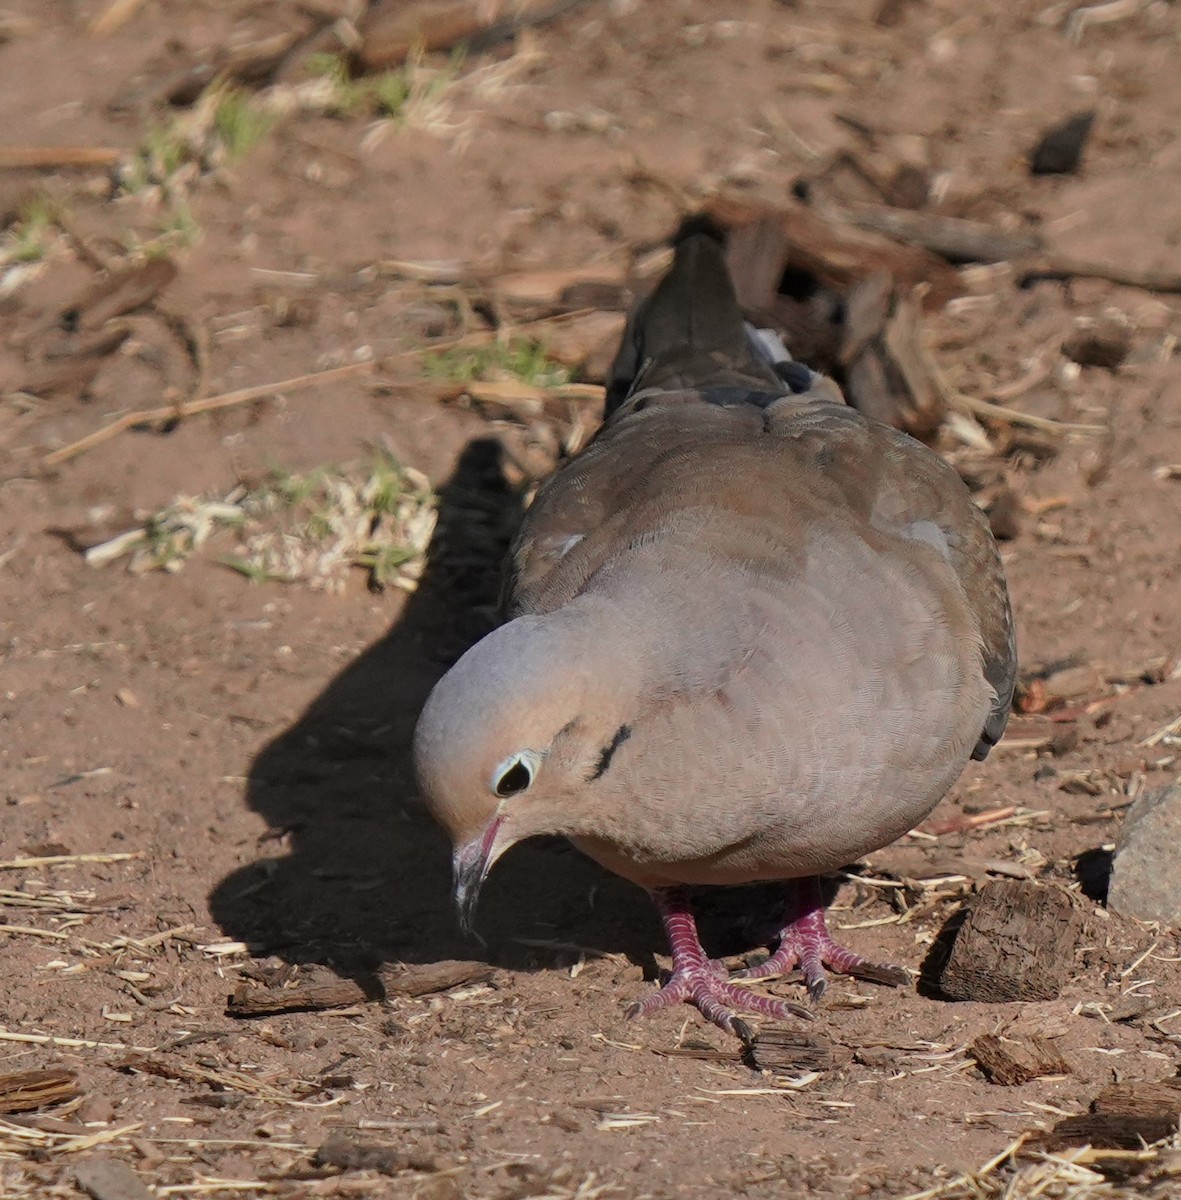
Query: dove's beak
{"points": [[471, 864]]}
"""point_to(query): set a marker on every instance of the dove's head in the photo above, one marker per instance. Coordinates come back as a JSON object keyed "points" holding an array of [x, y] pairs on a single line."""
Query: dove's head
{"points": [[511, 738]]}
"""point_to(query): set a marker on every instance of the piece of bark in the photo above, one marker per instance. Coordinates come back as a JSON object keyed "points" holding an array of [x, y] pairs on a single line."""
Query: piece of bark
{"points": [[921, 408], [351, 1154], [1060, 149], [1010, 1061], [1141, 1099], [109, 1179], [424, 979], [1017, 942], [396, 980], [256, 1002], [1110, 1131], [28, 1091], [393, 29], [1124, 1116], [952, 238], [886, 373], [792, 1050], [867, 308]]}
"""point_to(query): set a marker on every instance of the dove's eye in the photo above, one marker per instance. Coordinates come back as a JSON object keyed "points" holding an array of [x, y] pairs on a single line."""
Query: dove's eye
{"points": [[515, 774]]}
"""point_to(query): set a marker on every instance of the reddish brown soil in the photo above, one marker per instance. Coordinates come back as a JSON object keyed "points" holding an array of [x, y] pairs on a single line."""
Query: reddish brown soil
{"points": [[247, 743]]}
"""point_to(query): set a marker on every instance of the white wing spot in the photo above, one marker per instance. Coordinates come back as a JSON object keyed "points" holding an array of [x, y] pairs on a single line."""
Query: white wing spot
{"points": [[929, 532]]}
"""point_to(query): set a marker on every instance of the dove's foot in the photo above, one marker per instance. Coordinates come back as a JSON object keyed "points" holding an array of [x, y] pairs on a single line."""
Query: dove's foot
{"points": [[698, 980], [806, 943]]}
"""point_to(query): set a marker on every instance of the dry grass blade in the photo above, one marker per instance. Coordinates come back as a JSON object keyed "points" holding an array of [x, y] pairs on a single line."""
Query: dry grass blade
{"points": [[22, 1141], [60, 903], [172, 412], [49, 157], [238, 1081], [48, 1039], [65, 860], [113, 17]]}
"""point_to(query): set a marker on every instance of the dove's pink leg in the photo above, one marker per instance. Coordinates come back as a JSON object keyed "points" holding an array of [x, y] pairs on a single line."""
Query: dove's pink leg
{"points": [[696, 979], [805, 942]]}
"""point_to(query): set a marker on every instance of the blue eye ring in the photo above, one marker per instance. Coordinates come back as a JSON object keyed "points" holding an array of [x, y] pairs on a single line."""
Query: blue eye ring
{"points": [[516, 774]]}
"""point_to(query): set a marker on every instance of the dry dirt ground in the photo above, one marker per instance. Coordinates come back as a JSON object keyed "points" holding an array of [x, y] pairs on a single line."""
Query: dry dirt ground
{"points": [[215, 768]]}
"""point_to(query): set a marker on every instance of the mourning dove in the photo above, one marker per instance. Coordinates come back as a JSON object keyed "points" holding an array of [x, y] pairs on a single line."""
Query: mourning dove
{"points": [[751, 635]]}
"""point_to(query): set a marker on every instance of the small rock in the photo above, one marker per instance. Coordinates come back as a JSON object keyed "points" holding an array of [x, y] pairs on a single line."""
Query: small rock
{"points": [[1061, 147], [107, 1178], [1146, 873], [97, 1110]]}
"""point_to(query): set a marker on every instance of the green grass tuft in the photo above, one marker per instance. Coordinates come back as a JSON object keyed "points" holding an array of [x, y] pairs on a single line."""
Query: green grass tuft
{"points": [[518, 358], [239, 123]]}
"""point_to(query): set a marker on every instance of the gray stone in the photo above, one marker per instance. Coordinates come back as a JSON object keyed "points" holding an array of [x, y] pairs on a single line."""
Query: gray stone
{"points": [[1146, 874]]}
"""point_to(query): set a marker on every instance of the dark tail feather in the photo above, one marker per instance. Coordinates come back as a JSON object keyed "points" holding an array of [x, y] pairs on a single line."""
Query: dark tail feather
{"points": [[689, 333]]}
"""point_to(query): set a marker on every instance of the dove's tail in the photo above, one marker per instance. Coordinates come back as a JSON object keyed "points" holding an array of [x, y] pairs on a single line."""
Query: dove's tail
{"points": [[689, 333]]}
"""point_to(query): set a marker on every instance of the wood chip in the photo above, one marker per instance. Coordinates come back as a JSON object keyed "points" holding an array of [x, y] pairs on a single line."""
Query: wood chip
{"points": [[791, 1050], [1017, 942], [1110, 1130], [1124, 1116], [1010, 1061], [28, 1091]]}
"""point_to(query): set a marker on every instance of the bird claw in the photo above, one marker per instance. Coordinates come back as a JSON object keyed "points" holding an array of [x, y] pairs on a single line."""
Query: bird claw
{"points": [[806, 943], [707, 988]]}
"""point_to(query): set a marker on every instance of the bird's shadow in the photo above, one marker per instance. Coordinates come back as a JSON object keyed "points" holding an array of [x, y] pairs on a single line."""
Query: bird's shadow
{"points": [[367, 879]]}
